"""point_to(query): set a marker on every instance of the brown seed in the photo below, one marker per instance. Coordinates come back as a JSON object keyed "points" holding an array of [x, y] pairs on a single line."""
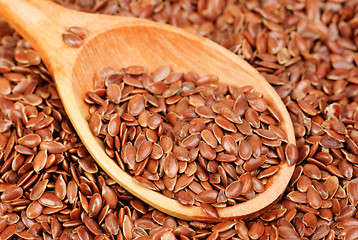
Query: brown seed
{"points": [[166, 144], [259, 104], [234, 189], [134, 70], [155, 121], [144, 151], [40, 160], [222, 157], [157, 152], [25, 235], [291, 153], [330, 142], [244, 127], [352, 193], [91, 225], [184, 198], [334, 170], [109, 196], [38, 190], [23, 150], [213, 236], [268, 172], [32, 99], [81, 32], [56, 228], [130, 153], [191, 141], [211, 211], [267, 134], [223, 226], [49, 199], [172, 90], [256, 230], [112, 223], [287, 232], [209, 138], [53, 147], [60, 188], [127, 227], [5, 87], [88, 165], [309, 219], [241, 104], [229, 144], [253, 163], [161, 73], [95, 205], [246, 183], [207, 196], [183, 181], [3, 222], [83, 233], [171, 165], [146, 183], [132, 82], [256, 144], [298, 197], [114, 125], [303, 183], [205, 112], [83, 200], [157, 87], [321, 232], [136, 105], [225, 124], [31, 140], [307, 108], [11, 193], [95, 124], [34, 210], [143, 118], [72, 190], [5, 125], [206, 151], [231, 115], [331, 185], [72, 40], [252, 117], [313, 198], [312, 171], [8, 232], [181, 153], [169, 183], [245, 149], [257, 185]]}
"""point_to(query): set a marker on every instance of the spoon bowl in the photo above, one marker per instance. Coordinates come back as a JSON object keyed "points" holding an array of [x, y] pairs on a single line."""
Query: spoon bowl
{"points": [[120, 42]]}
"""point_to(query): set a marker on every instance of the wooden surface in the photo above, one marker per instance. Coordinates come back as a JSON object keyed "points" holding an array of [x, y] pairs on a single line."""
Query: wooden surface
{"points": [[119, 42]]}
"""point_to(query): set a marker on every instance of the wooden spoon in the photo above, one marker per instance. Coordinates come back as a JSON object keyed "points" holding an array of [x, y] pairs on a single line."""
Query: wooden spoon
{"points": [[120, 42]]}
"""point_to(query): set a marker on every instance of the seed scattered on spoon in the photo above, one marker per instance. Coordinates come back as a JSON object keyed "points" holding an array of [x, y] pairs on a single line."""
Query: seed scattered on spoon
{"points": [[173, 131], [74, 36]]}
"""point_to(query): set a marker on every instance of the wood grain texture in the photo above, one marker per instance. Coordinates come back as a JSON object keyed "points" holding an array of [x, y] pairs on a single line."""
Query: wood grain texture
{"points": [[119, 42]]}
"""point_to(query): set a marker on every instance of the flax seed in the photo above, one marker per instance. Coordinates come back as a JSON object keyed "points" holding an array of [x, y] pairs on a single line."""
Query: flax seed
{"points": [[303, 40]]}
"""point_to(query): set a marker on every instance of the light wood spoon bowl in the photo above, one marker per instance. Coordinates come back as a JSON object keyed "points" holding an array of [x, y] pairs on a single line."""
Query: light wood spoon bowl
{"points": [[120, 42]]}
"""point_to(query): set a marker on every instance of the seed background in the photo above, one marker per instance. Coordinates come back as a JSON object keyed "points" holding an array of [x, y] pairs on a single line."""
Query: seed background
{"points": [[306, 49]]}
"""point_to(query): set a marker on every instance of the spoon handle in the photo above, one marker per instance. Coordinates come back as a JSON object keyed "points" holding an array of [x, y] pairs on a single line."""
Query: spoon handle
{"points": [[41, 23]]}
